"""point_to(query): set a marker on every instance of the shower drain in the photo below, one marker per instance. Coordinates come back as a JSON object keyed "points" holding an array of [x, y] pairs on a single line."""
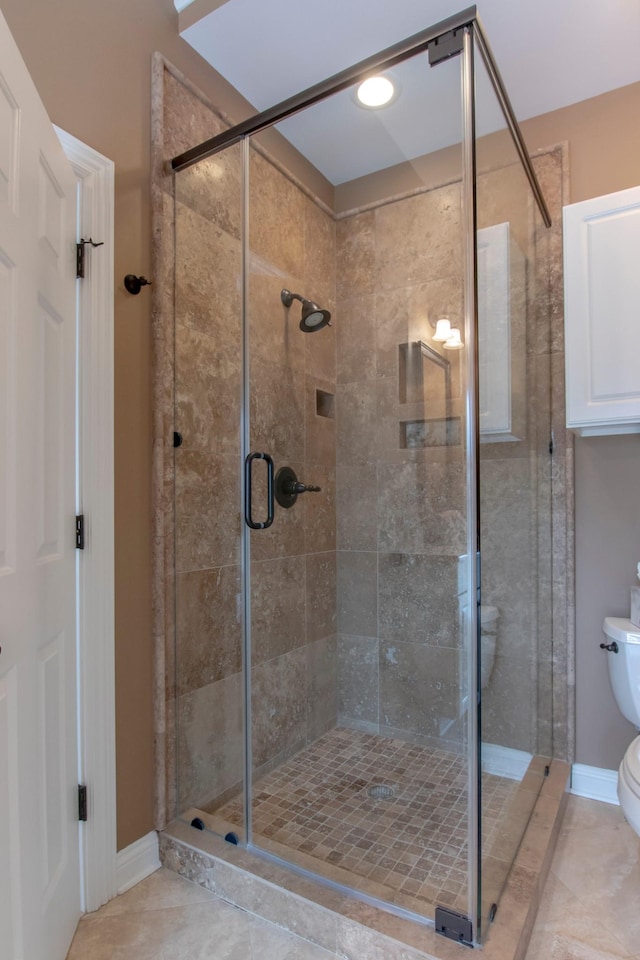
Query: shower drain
{"points": [[381, 791]]}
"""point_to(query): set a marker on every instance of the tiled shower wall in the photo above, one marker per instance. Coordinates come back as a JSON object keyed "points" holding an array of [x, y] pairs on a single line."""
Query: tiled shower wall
{"points": [[401, 505], [515, 475], [207, 526], [292, 244], [293, 575], [400, 521]]}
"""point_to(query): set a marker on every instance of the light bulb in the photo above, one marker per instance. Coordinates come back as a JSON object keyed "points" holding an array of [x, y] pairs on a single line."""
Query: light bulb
{"points": [[443, 329], [375, 92], [454, 342]]}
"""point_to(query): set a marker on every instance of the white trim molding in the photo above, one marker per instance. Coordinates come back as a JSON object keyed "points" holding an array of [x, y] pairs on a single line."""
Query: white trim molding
{"points": [[95, 495], [504, 761], [137, 861], [594, 783]]}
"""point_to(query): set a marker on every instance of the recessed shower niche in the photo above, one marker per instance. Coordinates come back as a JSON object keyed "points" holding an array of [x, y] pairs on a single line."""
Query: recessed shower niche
{"points": [[337, 646], [325, 404]]}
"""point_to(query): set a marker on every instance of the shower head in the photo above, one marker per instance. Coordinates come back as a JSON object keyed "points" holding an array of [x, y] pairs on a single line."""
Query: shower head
{"points": [[313, 317]]}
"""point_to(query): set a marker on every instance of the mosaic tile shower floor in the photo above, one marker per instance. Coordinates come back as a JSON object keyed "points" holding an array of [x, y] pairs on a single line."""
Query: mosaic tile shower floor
{"points": [[315, 809]]}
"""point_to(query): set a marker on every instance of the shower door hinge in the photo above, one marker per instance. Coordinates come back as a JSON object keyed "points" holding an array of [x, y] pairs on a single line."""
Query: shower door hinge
{"points": [[455, 926], [446, 46], [82, 802], [80, 532], [80, 255]]}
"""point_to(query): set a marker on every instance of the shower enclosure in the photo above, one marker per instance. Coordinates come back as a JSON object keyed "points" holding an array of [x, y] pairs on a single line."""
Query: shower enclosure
{"points": [[362, 510]]}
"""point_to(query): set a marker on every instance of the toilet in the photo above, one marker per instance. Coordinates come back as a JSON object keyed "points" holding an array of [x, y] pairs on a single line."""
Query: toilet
{"points": [[623, 658], [488, 633]]}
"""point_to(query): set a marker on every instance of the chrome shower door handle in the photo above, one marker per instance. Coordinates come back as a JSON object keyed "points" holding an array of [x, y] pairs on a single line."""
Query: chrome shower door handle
{"points": [[248, 469]]}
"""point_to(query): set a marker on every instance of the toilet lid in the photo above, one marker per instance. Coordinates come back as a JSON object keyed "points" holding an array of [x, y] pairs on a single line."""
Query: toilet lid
{"points": [[616, 628], [632, 761]]}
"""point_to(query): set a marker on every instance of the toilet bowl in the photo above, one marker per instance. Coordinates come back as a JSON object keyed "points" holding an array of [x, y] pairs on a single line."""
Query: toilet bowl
{"points": [[629, 785], [623, 659], [488, 634]]}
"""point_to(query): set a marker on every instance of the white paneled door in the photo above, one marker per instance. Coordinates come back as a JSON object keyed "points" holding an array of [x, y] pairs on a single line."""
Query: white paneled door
{"points": [[39, 862]]}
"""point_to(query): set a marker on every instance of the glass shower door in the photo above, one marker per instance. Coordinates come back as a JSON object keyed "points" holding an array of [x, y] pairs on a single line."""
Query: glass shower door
{"points": [[292, 418], [514, 473], [358, 692], [291, 591]]}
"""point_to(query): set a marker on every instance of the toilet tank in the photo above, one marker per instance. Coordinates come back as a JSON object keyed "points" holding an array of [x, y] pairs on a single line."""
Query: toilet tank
{"points": [[624, 666]]}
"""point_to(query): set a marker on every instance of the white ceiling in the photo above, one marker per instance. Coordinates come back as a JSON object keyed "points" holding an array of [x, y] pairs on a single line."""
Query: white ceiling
{"points": [[550, 53]]}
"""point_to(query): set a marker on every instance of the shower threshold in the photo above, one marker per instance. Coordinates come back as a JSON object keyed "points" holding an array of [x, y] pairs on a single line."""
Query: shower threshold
{"points": [[348, 922]]}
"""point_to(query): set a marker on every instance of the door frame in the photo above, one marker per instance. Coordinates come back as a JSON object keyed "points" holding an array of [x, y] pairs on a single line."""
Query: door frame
{"points": [[95, 579]]}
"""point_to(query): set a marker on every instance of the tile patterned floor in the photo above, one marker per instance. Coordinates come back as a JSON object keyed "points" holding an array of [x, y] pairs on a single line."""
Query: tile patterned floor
{"points": [[591, 904], [168, 918], [590, 909], [414, 844]]}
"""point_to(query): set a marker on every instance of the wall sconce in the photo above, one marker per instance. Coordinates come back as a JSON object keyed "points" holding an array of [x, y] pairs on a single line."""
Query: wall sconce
{"points": [[455, 340], [447, 335], [443, 330]]}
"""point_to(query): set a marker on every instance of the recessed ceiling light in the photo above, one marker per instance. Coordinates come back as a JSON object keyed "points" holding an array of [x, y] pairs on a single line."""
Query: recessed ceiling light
{"points": [[375, 92]]}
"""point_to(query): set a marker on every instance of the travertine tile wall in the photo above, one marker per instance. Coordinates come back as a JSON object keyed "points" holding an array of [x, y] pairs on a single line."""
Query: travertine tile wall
{"points": [[195, 554], [401, 511], [526, 486], [198, 370], [293, 575], [292, 244], [401, 508], [391, 591], [514, 483], [207, 344]]}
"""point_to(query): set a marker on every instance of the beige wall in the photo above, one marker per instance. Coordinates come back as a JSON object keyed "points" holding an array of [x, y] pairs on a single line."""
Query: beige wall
{"points": [[604, 156], [607, 552], [604, 141], [91, 63]]}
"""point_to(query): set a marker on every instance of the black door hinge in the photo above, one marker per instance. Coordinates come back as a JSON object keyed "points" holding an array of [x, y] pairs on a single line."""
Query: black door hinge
{"points": [[82, 802], [80, 255], [455, 926], [446, 46], [80, 532]]}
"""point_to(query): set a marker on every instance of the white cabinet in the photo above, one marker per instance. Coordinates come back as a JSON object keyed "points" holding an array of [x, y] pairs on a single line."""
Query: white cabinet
{"points": [[602, 313]]}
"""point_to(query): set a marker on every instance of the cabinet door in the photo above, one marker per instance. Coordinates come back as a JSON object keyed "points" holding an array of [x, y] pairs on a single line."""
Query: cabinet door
{"points": [[602, 313]]}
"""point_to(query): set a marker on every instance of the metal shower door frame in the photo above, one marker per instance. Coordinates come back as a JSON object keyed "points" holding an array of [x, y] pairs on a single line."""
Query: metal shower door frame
{"points": [[389, 57]]}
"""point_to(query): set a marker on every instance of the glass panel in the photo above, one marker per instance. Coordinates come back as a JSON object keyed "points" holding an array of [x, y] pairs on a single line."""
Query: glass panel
{"points": [[515, 489], [358, 735], [208, 380]]}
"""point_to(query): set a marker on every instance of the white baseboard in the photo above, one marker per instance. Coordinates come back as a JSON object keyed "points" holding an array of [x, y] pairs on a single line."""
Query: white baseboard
{"points": [[504, 761], [594, 783], [137, 861]]}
